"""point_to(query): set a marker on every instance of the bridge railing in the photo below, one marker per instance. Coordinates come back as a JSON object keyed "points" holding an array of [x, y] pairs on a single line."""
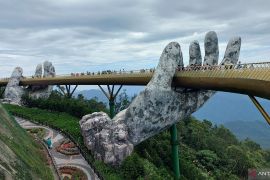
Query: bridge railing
{"points": [[260, 65], [264, 65]]}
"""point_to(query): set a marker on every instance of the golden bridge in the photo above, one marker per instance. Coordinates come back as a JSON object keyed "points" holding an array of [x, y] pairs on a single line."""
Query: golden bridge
{"points": [[252, 79]]}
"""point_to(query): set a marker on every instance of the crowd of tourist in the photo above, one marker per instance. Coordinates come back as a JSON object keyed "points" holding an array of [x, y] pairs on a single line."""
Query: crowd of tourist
{"points": [[121, 71], [192, 67]]}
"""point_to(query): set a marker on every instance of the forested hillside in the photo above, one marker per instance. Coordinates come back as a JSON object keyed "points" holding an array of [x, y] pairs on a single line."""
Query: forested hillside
{"points": [[206, 151]]}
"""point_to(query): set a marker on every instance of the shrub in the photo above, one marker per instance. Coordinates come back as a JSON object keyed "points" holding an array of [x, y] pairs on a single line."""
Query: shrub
{"points": [[207, 159], [132, 167], [76, 107]]}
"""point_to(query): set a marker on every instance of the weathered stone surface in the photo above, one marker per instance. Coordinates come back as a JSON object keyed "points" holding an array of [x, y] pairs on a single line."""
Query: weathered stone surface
{"points": [[38, 72], [109, 137], [232, 51], [49, 70], [158, 106], [195, 57], [42, 91], [153, 110], [13, 91], [211, 49]]}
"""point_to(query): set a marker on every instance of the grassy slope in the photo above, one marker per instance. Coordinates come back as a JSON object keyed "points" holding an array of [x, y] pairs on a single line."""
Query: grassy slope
{"points": [[70, 125], [66, 123], [19, 154]]}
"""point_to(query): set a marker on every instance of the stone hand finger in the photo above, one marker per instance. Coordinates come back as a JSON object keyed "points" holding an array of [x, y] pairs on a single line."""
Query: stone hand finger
{"points": [[195, 57], [47, 70], [198, 98], [170, 59], [211, 49], [13, 91], [232, 52]]}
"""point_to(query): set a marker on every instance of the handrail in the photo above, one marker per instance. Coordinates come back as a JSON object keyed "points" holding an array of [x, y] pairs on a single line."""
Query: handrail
{"points": [[247, 78], [259, 65]]}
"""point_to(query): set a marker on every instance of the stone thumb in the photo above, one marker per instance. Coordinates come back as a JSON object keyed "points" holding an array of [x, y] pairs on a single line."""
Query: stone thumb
{"points": [[170, 58]]}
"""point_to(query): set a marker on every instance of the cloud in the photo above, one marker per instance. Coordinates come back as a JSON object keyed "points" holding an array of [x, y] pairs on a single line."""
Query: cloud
{"points": [[83, 35]]}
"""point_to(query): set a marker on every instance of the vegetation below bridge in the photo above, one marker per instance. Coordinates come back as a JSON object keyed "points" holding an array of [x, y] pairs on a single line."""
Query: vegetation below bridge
{"points": [[206, 151]]}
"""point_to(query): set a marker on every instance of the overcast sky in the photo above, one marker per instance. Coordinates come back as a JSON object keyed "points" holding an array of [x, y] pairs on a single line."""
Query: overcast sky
{"points": [[81, 35]]}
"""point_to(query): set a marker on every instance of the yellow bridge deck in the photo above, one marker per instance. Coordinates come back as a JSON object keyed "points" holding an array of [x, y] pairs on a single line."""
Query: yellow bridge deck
{"points": [[250, 81]]}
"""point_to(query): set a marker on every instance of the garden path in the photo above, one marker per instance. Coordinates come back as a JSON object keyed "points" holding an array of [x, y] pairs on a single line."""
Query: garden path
{"points": [[60, 159]]}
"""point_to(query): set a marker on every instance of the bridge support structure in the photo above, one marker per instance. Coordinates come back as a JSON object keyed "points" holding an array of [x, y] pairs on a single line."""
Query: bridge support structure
{"points": [[174, 146], [111, 97], [67, 91], [175, 155], [260, 108]]}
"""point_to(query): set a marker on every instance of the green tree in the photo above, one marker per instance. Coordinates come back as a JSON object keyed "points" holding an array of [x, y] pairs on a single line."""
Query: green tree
{"points": [[208, 159], [80, 97], [238, 160], [56, 102], [251, 144], [123, 101], [132, 167]]}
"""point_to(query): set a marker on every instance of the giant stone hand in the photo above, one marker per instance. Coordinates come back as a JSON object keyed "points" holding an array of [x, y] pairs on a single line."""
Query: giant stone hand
{"points": [[157, 107], [14, 91]]}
